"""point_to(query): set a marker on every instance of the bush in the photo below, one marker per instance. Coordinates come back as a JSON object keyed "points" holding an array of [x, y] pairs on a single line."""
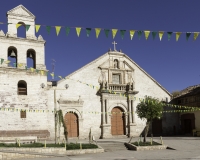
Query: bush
{"points": [[73, 146], [146, 143], [70, 146]]}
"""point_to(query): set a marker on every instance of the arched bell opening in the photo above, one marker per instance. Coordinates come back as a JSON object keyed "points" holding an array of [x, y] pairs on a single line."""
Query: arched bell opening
{"points": [[21, 30], [31, 58], [12, 56]]}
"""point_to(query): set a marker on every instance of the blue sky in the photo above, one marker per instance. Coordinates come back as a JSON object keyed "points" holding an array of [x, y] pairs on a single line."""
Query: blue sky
{"points": [[175, 65]]}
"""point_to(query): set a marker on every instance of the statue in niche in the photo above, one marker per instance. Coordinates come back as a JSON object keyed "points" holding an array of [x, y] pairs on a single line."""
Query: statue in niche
{"points": [[131, 82], [116, 63]]}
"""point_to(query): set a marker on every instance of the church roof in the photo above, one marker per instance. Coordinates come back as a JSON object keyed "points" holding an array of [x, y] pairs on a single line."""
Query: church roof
{"points": [[20, 11], [119, 53]]}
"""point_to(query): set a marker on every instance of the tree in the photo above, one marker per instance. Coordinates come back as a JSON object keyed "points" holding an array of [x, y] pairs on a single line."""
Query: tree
{"points": [[149, 109]]}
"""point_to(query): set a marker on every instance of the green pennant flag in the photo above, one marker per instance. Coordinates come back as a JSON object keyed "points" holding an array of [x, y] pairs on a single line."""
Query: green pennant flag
{"points": [[15, 64], [67, 30], [169, 34], [27, 27], [2, 60], [88, 30], [48, 28], [37, 70], [187, 35], [154, 34], [47, 73], [26, 67], [139, 34], [106, 32], [122, 32]]}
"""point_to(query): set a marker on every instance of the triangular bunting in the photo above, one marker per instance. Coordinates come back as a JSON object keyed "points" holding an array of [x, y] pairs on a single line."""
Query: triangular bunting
{"points": [[57, 30], [196, 35], [37, 27], [2, 60], [88, 30], [122, 33], [78, 31], [161, 35], [67, 30], [97, 30], [188, 35], [42, 72], [154, 34], [146, 33], [178, 35], [169, 35], [106, 32], [48, 28], [132, 32], [60, 77], [18, 25], [139, 34], [114, 32], [27, 27]]}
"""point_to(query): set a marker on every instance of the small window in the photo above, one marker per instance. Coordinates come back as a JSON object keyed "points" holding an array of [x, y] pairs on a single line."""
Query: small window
{"points": [[22, 114], [22, 88], [116, 79]]}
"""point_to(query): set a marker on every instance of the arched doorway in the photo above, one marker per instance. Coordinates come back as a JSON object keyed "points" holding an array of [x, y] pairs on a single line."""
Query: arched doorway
{"points": [[117, 121], [71, 121]]}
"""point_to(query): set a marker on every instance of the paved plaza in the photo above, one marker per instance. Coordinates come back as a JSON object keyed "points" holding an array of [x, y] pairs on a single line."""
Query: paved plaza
{"points": [[181, 148]]}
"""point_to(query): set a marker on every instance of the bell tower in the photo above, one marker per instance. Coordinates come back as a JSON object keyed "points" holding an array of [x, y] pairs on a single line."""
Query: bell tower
{"points": [[20, 15]]}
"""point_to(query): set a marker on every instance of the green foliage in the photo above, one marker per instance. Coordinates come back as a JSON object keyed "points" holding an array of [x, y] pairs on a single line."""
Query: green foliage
{"points": [[149, 109], [69, 146], [60, 120], [72, 146], [145, 143]]}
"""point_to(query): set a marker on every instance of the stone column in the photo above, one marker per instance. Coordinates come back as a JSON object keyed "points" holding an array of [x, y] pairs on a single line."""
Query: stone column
{"points": [[106, 128], [131, 117]]}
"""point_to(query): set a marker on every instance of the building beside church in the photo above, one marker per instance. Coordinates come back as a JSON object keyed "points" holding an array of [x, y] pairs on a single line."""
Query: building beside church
{"points": [[27, 99], [189, 97]]}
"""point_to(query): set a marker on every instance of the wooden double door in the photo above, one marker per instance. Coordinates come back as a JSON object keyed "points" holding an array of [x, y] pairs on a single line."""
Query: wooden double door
{"points": [[71, 121], [117, 121]]}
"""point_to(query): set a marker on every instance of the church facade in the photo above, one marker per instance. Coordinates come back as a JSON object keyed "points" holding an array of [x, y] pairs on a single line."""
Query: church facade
{"points": [[100, 97]]}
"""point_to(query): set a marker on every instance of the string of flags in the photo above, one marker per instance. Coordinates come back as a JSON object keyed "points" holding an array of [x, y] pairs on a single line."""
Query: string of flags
{"points": [[85, 112], [42, 72], [114, 32]]}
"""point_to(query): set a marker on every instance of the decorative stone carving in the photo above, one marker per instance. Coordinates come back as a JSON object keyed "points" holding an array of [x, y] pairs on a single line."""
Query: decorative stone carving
{"points": [[40, 38], [2, 34]]}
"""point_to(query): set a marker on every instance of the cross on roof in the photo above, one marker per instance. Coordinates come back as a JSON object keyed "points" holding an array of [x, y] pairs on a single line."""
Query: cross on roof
{"points": [[114, 43]]}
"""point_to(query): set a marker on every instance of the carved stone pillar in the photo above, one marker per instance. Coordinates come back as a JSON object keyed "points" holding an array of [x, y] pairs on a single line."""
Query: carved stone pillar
{"points": [[105, 127], [131, 115]]}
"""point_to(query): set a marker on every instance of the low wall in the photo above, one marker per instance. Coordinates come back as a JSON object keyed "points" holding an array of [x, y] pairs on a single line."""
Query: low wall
{"points": [[142, 148], [19, 153]]}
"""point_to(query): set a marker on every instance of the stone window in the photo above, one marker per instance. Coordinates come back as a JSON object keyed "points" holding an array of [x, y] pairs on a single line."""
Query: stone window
{"points": [[116, 78], [22, 114], [22, 88], [21, 31], [12, 56], [31, 60]]}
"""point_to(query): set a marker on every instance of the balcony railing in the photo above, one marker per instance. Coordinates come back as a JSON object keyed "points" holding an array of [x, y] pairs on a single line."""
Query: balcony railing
{"points": [[117, 87]]}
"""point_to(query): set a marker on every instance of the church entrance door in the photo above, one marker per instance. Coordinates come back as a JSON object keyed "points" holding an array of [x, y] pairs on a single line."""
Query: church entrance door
{"points": [[117, 121], [71, 121]]}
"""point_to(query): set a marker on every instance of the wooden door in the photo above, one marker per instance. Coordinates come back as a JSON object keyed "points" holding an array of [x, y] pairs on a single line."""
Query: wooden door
{"points": [[117, 122], [71, 120]]}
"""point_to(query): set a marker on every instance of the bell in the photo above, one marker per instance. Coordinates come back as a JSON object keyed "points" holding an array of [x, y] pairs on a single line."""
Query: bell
{"points": [[12, 54], [30, 56]]}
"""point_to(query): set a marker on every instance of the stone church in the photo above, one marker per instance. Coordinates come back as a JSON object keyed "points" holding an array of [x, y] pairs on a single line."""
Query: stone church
{"points": [[97, 97]]}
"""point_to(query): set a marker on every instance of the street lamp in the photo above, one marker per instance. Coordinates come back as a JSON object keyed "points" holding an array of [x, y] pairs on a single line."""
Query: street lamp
{"points": [[55, 105]]}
